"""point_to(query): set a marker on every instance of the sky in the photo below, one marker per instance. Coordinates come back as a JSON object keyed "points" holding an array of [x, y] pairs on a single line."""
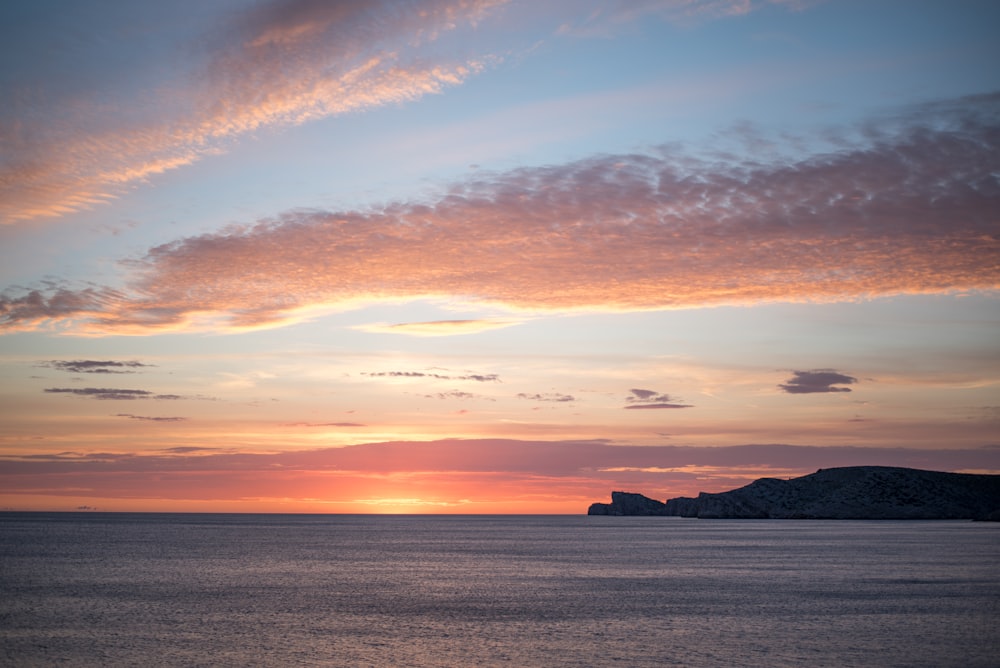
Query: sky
{"points": [[491, 256]]}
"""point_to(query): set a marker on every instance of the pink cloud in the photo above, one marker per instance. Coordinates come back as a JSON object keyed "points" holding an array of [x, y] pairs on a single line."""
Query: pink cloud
{"points": [[278, 64], [911, 213]]}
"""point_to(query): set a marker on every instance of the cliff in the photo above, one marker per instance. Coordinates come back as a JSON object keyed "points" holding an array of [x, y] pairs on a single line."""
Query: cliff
{"points": [[855, 492], [626, 503]]}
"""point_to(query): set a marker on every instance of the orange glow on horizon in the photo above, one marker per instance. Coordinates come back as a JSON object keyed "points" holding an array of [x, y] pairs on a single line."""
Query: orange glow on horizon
{"points": [[375, 506], [453, 476]]}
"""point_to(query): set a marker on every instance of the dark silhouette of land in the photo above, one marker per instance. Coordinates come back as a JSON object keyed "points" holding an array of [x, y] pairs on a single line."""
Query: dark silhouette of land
{"points": [[852, 492]]}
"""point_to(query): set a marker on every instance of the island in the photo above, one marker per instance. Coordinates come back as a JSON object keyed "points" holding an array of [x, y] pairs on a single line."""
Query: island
{"points": [[851, 492]]}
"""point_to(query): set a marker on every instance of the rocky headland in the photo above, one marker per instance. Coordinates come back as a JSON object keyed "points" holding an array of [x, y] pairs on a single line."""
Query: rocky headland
{"points": [[628, 503], [853, 492]]}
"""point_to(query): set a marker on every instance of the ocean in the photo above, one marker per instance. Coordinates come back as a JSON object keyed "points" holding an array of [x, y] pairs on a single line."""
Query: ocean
{"points": [[108, 589]]}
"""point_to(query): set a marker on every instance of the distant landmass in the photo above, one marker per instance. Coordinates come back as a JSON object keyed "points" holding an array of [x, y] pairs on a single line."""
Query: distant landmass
{"points": [[852, 492]]}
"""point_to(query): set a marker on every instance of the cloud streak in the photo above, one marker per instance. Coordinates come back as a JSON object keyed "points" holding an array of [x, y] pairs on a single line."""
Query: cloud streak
{"points": [[457, 394], [912, 212], [478, 377], [553, 397], [147, 418], [278, 64], [113, 394], [819, 381], [650, 400], [95, 366], [656, 406]]}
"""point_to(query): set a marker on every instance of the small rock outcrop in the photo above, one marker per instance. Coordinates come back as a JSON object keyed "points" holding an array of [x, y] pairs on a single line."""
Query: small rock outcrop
{"points": [[627, 503], [853, 492]]}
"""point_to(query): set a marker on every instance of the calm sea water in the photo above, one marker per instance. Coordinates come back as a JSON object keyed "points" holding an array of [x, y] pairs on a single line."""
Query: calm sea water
{"points": [[310, 590]]}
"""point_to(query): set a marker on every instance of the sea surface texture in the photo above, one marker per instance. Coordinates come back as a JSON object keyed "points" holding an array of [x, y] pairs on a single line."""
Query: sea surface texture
{"points": [[85, 589]]}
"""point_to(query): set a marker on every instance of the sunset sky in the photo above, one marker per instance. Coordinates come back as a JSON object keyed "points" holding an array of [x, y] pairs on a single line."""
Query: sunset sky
{"points": [[491, 256]]}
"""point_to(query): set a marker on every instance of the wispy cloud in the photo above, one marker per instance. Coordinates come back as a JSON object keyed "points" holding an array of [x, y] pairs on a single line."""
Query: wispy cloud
{"points": [[457, 394], [150, 418], [478, 377], [651, 399], [645, 396], [276, 64], [547, 397], [911, 212], [111, 393], [189, 449], [818, 381], [57, 304], [657, 406], [95, 366]]}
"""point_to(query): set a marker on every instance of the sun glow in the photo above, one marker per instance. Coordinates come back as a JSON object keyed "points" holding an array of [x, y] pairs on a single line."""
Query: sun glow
{"points": [[410, 506]]}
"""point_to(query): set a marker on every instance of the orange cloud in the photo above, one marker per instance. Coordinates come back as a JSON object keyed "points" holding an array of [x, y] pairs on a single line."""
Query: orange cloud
{"points": [[914, 213], [279, 64]]}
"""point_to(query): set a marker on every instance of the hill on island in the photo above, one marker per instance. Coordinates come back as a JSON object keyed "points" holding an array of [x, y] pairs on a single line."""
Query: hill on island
{"points": [[852, 492]]}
